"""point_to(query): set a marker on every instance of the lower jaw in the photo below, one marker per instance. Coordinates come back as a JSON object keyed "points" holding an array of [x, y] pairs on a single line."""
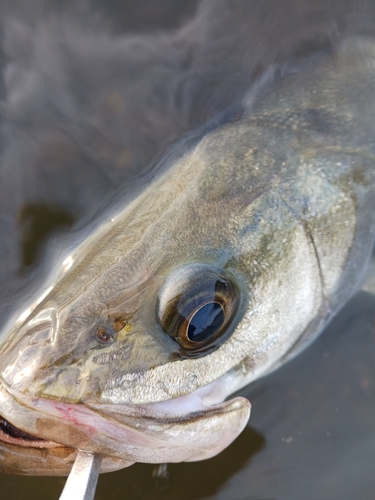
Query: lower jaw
{"points": [[122, 434], [28, 455]]}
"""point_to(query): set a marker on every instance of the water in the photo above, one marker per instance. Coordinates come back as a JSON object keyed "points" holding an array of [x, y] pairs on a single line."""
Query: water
{"points": [[312, 429]]}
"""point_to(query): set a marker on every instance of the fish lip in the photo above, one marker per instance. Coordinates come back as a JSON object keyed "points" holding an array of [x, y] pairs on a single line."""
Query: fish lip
{"points": [[137, 427], [26, 443]]}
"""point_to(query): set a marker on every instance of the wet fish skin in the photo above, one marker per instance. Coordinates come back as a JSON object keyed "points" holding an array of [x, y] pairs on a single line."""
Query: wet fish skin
{"points": [[281, 197]]}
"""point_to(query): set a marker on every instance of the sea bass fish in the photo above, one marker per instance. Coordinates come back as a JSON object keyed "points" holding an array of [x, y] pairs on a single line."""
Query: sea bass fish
{"points": [[230, 260]]}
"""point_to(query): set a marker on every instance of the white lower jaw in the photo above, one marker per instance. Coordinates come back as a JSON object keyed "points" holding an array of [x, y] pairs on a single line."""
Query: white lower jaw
{"points": [[183, 429]]}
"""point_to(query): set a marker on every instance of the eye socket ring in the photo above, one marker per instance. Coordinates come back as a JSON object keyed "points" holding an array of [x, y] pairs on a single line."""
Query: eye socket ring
{"points": [[196, 307]]}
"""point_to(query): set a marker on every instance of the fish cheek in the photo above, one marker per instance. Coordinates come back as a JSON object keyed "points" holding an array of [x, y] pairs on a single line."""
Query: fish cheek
{"points": [[279, 264], [86, 379]]}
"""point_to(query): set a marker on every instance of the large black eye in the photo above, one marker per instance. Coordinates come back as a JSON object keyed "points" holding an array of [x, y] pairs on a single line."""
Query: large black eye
{"points": [[196, 307]]}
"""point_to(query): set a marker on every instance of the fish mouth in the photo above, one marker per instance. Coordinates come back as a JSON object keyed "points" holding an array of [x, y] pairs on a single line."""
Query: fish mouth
{"points": [[180, 429], [11, 434]]}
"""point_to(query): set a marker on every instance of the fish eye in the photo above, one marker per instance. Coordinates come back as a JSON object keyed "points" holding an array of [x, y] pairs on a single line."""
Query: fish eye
{"points": [[196, 307]]}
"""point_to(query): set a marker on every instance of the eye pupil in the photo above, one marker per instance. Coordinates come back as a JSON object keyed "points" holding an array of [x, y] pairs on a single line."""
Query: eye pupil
{"points": [[205, 322]]}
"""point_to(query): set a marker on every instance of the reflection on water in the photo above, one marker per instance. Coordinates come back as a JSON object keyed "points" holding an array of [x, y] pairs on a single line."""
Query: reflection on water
{"points": [[312, 430]]}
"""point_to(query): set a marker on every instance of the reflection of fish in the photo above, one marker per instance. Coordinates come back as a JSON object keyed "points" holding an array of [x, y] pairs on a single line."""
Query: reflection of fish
{"points": [[228, 263]]}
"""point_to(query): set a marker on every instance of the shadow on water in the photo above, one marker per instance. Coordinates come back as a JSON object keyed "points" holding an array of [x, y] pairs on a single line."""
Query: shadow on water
{"points": [[183, 481], [38, 222]]}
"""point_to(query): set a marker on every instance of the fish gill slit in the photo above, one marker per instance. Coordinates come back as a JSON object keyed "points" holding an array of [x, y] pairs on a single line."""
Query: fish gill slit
{"points": [[309, 235]]}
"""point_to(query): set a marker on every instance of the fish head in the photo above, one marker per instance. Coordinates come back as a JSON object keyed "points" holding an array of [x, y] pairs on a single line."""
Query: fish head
{"points": [[196, 287]]}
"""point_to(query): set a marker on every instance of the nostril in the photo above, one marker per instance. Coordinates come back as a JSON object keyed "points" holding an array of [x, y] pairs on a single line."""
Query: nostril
{"points": [[103, 335]]}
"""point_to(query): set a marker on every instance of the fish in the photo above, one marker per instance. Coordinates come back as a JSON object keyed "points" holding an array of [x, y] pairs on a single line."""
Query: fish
{"points": [[250, 234]]}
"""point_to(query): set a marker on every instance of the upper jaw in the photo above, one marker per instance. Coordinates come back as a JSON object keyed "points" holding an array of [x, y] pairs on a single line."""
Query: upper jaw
{"points": [[183, 429]]}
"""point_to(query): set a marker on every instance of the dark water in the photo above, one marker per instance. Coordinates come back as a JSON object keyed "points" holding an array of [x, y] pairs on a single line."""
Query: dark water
{"points": [[312, 430]]}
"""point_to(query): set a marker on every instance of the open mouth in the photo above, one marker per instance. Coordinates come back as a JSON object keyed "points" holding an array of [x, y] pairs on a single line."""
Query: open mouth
{"points": [[11, 434]]}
